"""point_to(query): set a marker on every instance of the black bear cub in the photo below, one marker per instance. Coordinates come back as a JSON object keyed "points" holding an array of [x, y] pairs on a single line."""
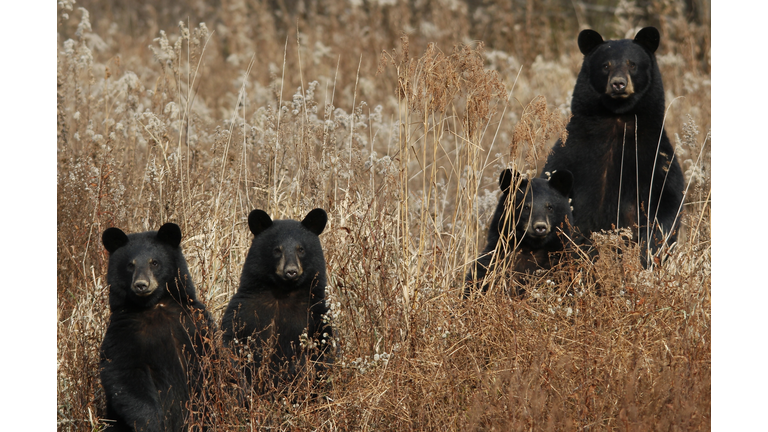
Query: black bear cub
{"points": [[624, 167], [281, 296], [158, 331], [532, 222]]}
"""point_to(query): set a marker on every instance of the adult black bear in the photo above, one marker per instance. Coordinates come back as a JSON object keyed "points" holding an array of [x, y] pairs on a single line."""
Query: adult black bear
{"points": [[534, 223], [624, 167], [281, 296], [158, 331]]}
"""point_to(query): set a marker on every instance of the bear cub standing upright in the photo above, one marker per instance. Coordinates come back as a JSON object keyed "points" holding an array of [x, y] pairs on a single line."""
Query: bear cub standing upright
{"points": [[158, 331], [531, 221], [281, 295], [624, 167]]}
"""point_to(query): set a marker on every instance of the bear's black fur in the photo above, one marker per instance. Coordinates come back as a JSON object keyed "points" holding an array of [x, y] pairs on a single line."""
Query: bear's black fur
{"points": [[541, 216], [281, 295], [158, 331], [623, 164]]}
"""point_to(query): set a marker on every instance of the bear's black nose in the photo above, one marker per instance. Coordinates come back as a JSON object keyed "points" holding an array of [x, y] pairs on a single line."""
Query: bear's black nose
{"points": [[291, 274], [540, 228], [141, 286], [618, 84]]}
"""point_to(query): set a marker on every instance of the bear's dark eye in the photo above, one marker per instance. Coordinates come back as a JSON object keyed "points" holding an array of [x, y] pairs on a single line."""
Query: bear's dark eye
{"points": [[131, 267], [154, 263], [300, 250], [527, 207], [632, 65], [606, 66], [277, 252], [549, 207]]}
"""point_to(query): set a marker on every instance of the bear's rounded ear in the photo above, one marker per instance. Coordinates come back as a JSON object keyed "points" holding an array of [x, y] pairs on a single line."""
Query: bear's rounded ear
{"points": [[113, 239], [315, 221], [588, 40], [506, 178], [561, 181], [258, 221], [170, 234], [648, 38], [509, 177]]}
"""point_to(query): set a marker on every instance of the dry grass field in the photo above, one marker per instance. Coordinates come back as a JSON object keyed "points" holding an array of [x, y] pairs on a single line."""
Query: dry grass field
{"points": [[396, 118]]}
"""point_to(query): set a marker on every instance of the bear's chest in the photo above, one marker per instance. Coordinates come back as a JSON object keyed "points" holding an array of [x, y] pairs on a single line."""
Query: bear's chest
{"points": [[161, 327], [285, 309], [155, 339]]}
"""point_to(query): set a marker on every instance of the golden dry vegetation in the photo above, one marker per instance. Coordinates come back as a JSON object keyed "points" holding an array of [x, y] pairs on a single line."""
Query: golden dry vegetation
{"points": [[396, 118]]}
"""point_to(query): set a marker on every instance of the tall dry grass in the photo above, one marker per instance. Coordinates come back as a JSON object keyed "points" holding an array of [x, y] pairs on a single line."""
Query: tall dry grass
{"points": [[396, 120]]}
